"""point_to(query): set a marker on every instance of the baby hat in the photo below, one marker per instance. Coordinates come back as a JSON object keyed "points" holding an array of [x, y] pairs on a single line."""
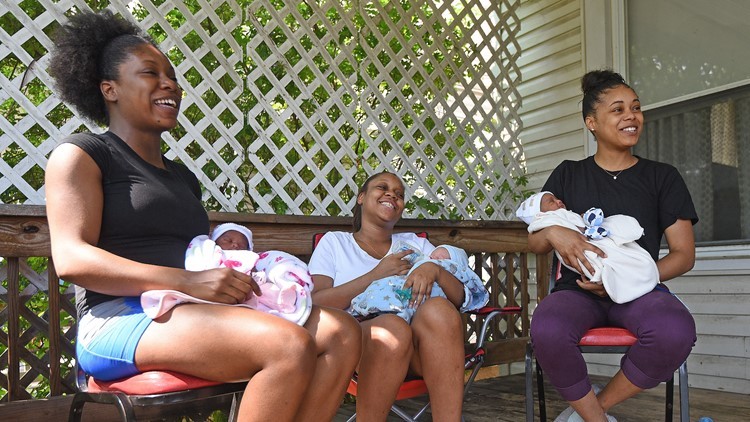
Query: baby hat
{"points": [[225, 227], [530, 207], [457, 254]]}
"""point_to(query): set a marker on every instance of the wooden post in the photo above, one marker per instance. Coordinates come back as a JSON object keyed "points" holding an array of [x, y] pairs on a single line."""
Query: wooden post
{"points": [[14, 315], [55, 353]]}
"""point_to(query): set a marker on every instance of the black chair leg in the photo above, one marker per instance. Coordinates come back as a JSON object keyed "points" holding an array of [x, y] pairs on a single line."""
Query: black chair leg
{"points": [[529, 383], [124, 407], [669, 402], [540, 389]]}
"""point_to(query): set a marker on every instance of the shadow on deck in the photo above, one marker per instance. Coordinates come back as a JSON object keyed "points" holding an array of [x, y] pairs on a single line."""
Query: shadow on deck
{"points": [[502, 399]]}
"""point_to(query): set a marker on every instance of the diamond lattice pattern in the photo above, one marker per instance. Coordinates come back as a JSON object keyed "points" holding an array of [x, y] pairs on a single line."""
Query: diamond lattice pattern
{"points": [[290, 105]]}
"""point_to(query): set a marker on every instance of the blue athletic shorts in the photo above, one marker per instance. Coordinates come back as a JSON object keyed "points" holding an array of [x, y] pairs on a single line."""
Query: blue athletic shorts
{"points": [[107, 337]]}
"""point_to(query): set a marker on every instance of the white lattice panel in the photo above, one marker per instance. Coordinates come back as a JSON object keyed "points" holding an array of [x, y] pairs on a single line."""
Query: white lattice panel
{"points": [[209, 135], [289, 105]]}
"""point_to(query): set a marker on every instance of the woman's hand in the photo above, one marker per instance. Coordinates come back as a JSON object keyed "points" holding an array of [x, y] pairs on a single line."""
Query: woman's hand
{"points": [[393, 264], [421, 281], [595, 288], [341, 296], [571, 246], [223, 285]]}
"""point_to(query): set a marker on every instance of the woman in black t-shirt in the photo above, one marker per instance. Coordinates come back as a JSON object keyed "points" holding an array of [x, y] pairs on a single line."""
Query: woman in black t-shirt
{"points": [[618, 182]]}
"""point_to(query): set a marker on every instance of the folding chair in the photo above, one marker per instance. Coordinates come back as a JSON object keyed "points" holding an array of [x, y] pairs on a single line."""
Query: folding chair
{"points": [[412, 388], [150, 389], [601, 340]]}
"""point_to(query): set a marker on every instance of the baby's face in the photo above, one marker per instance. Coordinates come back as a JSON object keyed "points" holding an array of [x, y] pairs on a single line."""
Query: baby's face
{"points": [[440, 253], [232, 240], [550, 202]]}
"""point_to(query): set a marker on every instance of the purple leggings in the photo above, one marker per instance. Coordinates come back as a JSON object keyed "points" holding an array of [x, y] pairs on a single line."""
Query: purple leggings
{"points": [[663, 325]]}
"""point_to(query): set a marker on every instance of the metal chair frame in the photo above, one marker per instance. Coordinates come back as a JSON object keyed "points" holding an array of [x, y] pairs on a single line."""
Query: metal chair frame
{"points": [[196, 389], [669, 404], [622, 339], [474, 361]]}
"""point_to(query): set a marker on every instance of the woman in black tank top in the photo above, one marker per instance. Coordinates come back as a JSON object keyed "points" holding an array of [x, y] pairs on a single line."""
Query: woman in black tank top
{"points": [[121, 216]]}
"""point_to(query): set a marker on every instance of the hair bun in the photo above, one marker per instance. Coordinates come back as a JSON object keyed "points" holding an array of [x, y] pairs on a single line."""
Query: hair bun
{"points": [[596, 80], [594, 84]]}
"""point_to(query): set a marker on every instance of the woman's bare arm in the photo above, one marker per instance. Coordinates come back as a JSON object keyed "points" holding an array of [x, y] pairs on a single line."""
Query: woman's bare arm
{"points": [[341, 296], [569, 244], [74, 211], [681, 256], [421, 282]]}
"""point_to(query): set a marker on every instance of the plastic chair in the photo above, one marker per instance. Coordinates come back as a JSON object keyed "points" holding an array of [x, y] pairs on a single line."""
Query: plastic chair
{"points": [[601, 340], [150, 389], [412, 388]]}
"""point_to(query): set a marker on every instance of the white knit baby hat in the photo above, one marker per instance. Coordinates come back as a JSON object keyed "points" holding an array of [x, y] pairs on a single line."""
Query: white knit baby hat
{"points": [[530, 207], [225, 227]]}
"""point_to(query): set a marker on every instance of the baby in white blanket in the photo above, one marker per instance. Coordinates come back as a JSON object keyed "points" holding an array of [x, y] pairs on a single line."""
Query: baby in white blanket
{"points": [[616, 235]]}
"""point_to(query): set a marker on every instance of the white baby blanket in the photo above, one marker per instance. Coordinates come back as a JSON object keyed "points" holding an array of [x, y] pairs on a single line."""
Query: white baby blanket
{"points": [[628, 271]]}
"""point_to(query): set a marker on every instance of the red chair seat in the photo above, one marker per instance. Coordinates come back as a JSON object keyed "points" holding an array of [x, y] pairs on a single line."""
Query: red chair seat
{"points": [[608, 336], [150, 382], [407, 390]]}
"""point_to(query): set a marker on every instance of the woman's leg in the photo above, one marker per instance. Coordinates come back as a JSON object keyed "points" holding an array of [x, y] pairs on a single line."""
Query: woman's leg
{"points": [[439, 356], [227, 343], [666, 335], [386, 352], [338, 341], [617, 390], [557, 326]]}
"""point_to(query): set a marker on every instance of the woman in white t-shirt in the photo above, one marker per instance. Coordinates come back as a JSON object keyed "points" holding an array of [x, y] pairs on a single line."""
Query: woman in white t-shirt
{"points": [[344, 264]]}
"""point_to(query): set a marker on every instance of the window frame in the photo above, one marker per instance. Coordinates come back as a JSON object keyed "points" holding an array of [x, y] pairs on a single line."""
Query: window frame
{"points": [[611, 51]]}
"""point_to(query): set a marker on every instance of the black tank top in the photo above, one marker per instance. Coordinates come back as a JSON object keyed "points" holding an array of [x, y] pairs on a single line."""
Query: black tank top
{"points": [[150, 214]]}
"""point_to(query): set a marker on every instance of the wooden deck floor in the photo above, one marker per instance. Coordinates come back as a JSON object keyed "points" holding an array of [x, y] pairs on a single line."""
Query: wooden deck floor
{"points": [[491, 400], [502, 399]]}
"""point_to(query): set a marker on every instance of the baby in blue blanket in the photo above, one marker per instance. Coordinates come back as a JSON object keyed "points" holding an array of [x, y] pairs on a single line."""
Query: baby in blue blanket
{"points": [[387, 295]]}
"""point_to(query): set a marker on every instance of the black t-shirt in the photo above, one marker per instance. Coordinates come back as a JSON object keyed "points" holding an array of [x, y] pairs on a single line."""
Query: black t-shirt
{"points": [[653, 193], [149, 215]]}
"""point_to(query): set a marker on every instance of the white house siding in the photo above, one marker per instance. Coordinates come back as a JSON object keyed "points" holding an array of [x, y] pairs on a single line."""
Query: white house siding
{"points": [[717, 290], [551, 65]]}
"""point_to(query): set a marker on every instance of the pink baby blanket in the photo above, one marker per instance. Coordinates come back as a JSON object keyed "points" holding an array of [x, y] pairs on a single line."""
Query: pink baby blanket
{"points": [[284, 281]]}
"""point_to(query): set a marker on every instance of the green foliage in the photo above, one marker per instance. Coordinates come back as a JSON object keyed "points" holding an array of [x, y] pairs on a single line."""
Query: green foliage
{"points": [[369, 37], [36, 302]]}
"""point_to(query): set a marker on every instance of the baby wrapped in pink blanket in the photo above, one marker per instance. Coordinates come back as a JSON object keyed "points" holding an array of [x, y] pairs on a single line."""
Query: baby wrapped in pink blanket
{"points": [[284, 280]]}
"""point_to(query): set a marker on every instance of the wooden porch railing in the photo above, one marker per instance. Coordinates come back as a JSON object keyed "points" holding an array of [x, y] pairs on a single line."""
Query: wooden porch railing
{"points": [[37, 312]]}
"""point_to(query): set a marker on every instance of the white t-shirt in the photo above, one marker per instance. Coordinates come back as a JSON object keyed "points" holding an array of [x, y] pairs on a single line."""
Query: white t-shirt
{"points": [[339, 256]]}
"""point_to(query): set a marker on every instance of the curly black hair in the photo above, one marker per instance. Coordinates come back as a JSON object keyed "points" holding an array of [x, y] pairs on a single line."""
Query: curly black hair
{"points": [[593, 85], [89, 49]]}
